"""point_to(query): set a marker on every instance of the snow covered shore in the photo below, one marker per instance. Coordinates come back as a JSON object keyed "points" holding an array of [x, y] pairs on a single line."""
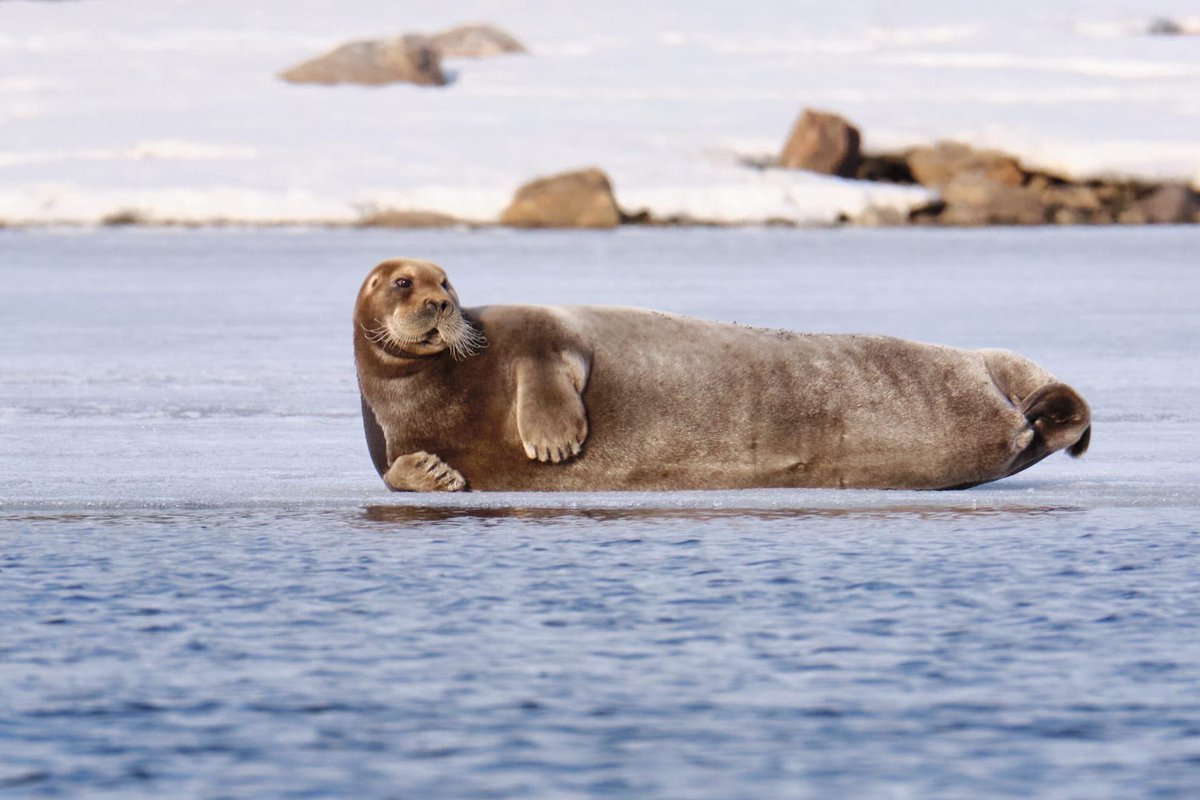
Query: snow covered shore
{"points": [[175, 111]]}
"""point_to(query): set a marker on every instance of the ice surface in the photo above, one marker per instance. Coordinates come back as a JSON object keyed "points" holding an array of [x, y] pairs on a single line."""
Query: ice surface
{"points": [[205, 590], [173, 109], [169, 369]]}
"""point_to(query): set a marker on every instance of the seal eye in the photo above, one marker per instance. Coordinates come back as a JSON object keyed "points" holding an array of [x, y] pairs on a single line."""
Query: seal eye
{"points": [[402, 283], [446, 284]]}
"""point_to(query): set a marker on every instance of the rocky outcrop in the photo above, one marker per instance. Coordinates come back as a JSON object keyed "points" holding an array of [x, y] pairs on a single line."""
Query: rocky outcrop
{"points": [[579, 199], [412, 58], [822, 142], [988, 187], [977, 186], [993, 188], [407, 59], [476, 40]]}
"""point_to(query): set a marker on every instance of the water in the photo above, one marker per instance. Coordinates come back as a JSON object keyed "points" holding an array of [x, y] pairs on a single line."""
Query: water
{"points": [[205, 591]]}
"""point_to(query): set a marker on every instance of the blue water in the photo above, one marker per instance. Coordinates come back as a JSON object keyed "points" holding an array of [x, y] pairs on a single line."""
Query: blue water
{"points": [[205, 591]]}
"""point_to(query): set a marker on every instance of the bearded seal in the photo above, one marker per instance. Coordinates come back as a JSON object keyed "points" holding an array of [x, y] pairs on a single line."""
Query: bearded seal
{"points": [[591, 398]]}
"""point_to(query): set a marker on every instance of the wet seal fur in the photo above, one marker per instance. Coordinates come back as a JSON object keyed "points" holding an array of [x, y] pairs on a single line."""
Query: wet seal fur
{"points": [[590, 398]]}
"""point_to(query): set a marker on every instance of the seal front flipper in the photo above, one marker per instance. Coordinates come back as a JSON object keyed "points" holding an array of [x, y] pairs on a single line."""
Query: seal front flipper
{"points": [[551, 419], [422, 472]]}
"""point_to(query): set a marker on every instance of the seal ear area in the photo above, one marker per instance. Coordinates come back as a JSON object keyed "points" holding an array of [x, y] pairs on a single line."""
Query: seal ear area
{"points": [[370, 284], [1061, 418]]}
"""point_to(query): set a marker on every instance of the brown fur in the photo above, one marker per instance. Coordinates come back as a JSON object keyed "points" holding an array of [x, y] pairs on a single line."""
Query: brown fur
{"points": [[598, 398]]}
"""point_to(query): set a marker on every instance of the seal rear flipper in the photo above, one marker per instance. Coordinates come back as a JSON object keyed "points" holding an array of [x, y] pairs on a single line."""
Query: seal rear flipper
{"points": [[1060, 418], [376, 441]]}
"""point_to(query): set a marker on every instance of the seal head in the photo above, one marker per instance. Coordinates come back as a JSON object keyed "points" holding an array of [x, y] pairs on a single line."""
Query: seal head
{"points": [[408, 309]]}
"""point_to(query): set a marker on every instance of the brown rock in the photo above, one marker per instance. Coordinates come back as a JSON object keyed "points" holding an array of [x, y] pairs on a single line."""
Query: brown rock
{"points": [[1170, 204], [943, 162], [410, 59], [1071, 216], [402, 218], [475, 41], [580, 199], [822, 142], [1072, 196], [124, 217], [974, 199]]}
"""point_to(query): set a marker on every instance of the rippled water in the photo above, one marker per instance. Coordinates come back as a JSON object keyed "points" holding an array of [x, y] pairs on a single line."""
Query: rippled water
{"points": [[205, 591]]}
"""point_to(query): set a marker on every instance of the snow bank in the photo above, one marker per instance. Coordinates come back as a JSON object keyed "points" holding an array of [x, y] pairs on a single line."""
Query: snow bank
{"points": [[175, 111]]}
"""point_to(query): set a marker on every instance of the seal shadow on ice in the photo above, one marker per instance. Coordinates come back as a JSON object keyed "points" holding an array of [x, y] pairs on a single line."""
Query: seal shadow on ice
{"points": [[595, 398]]}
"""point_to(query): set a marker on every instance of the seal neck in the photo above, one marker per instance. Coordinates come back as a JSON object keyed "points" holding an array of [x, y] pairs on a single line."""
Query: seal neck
{"points": [[388, 363]]}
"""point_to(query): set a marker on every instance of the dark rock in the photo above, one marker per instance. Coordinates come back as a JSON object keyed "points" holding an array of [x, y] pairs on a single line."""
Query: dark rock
{"points": [[640, 217], [1164, 26], [884, 168], [475, 41], [407, 59], [945, 161], [822, 142], [580, 199]]}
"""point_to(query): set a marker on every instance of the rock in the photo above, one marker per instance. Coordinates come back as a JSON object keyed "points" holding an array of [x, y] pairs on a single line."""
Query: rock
{"points": [[1164, 26], [125, 217], [1070, 216], [580, 199], [475, 41], [410, 59], [975, 199], [822, 142], [943, 162], [1170, 204], [397, 218], [1073, 203]]}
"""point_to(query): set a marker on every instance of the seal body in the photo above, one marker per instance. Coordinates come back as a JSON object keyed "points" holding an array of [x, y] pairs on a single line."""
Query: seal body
{"points": [[595, 398]]}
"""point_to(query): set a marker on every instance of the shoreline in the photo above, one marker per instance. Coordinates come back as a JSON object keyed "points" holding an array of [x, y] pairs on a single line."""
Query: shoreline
{"points": [[74, 226]]}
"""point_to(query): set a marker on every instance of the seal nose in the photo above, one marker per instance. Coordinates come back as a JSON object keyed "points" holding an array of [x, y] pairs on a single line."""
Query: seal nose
{"points": [[438, 307]]}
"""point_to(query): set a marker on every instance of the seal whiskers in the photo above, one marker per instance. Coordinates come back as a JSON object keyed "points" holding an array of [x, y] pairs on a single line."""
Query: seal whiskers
{"points": [[463, 338]]}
